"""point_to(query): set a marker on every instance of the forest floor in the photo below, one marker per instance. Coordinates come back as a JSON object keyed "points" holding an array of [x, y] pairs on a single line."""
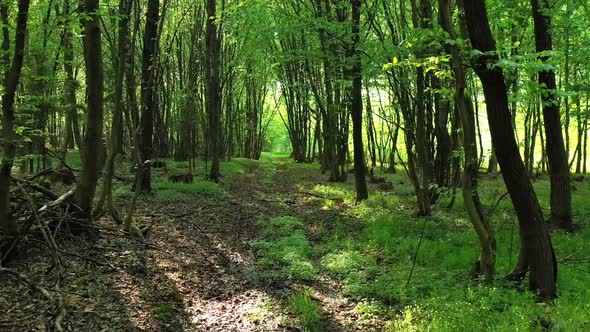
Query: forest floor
{"points": [[275, 247]]}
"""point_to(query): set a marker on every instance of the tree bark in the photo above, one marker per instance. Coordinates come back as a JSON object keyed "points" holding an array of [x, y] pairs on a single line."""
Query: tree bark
{"points": [[117, 120]]}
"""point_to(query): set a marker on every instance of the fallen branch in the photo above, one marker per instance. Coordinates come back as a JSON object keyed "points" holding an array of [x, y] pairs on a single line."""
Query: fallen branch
{"points": [[50, 194], [193, 212], [323, 197], [58, 201]]}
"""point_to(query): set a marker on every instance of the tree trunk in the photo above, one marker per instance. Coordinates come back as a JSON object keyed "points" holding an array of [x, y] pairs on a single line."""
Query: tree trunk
{"points": [[148, 91], [84, 193], [483, 227], [535, 241], [117, 121], [356, 106], [11, 79], [424, 162], [559, 171], [212, 68]]}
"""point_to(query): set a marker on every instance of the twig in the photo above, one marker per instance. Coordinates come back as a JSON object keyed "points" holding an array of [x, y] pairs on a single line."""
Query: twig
{"points": [[57, 156], [493, 209], [44, 229], [40, 174], [95, 261], [61, 311], [193, 212], [416, 253]]}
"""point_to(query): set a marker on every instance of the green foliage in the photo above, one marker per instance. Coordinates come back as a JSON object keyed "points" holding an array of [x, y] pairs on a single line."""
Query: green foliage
{"points": [[164, 311], [122, 192], [72, 159], [283, 251], [178, 190], [374, 265], [307, 311], [345, 262], [333, 192]]}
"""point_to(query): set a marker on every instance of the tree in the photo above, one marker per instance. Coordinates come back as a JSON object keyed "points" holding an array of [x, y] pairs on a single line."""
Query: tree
{"points": [[148, 90], [212, 67], [84, 192], [475, 212], [537, 254], [11, 80], [561, 191], [356, 106], [125, 7]]}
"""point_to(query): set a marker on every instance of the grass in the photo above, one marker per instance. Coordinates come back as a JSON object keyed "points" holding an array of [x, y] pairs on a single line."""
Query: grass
{"points": [[283, 251], [373, 257], [178, 190], [164, 311], [373, 262], [306, 310]]}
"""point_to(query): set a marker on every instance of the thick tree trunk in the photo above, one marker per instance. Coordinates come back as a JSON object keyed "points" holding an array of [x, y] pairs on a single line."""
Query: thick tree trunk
{"points": [[84, 193], [535, 240], [11, 79], [559, 171]]}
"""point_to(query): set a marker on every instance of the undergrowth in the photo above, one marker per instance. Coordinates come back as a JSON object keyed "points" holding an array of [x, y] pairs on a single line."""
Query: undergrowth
{"points": [[306, 310], [283, 251], [376, 265], [179, 190]]}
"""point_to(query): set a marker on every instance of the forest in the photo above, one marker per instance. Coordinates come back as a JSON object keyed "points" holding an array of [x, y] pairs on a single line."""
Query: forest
{"points": [[294, 165]]}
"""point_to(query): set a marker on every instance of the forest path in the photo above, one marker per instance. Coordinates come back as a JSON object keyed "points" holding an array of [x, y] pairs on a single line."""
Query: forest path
{"points": [[196, 271], [207, 258]]}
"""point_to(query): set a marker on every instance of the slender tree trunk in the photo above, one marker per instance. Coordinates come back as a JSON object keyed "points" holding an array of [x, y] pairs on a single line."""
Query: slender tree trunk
{"points": [[11, 79], [213, 66], [356, 106], [84, 193], [538, 256], [561, 191], [117, 121], [483, 227], [148, 91], [70, 85]]}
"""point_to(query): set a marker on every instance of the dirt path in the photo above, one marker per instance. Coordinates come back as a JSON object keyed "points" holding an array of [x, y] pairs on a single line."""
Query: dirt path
{"points": [[197, 271]]}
